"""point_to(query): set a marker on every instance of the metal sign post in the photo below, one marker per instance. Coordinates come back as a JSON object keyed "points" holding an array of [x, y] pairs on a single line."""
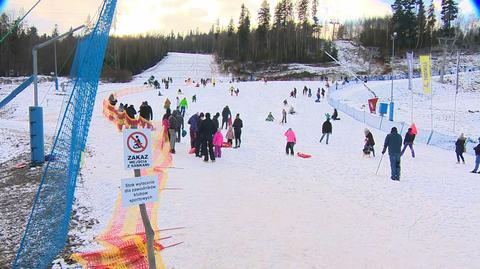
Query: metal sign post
{"points": [[137, 154]]}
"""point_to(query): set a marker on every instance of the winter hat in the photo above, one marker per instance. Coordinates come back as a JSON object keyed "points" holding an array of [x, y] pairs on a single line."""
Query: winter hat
{"points": [[394, 130]]}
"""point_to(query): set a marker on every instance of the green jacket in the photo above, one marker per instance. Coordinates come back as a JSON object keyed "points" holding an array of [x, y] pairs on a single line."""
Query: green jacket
{"points": [[184, 103]]}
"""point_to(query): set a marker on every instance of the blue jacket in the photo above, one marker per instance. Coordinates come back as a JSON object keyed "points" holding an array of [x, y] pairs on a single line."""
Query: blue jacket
{"points": [[193, 121], [393, 142]]}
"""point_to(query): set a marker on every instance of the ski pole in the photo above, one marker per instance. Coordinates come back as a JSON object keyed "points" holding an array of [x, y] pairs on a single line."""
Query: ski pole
{"points": [[378, 168]]}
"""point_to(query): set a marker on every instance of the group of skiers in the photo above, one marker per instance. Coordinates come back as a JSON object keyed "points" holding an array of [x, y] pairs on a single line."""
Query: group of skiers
{"points": [[206, 138]]}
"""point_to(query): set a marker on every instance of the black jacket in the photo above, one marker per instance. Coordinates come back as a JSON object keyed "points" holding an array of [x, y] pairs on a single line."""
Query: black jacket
{"points": [[477, 150], [370, 141], [226, 113], [327, 127], [207, 129], [460, 145], [146, 112], [173, 122], [237, 124], [215, 122], [409, 138], [131, 112]]}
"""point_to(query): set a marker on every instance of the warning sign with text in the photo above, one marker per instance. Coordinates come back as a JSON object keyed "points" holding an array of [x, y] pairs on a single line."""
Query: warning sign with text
{"points": [[137, 148], [139, 190]]}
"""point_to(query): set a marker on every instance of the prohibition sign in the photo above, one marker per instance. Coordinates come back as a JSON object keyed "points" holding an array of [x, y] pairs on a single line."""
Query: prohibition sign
{"points": [[135, 142]]}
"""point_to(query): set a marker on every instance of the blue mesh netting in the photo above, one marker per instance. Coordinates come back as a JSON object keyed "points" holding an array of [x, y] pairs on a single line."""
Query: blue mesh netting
{"points": [[47, 227]]}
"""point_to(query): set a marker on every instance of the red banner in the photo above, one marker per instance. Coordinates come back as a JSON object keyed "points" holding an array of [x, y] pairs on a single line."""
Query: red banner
{"points": [[372, 105]]}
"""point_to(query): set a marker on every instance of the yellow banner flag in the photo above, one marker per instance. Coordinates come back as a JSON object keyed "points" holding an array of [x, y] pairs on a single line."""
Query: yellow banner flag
{"points": [[426, 73]]}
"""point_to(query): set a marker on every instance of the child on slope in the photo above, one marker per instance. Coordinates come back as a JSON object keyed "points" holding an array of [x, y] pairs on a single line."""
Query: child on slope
{"points": [[230, 135], [218, 142]]}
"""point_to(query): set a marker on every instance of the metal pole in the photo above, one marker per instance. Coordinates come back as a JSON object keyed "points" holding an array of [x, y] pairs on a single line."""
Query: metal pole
{"points": [[431, 101], [35, 79], [56, 70], [394, 36], [456, 92], [149, 233]]}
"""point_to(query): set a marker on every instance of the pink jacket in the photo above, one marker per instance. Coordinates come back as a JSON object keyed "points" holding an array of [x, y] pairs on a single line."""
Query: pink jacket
{"points": [[290, 136], [218, 139], [230, 133]]}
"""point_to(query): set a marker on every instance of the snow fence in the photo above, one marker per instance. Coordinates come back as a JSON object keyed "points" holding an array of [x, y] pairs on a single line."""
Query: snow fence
{"points": [[429, 137]]}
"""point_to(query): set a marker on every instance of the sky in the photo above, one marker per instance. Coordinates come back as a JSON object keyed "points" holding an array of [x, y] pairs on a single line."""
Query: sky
{"points": [[163, 16]]}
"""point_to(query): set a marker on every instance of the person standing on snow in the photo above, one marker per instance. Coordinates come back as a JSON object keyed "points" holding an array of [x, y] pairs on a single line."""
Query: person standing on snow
{"points": [[230, 136], [408, 142], [291, 140], [393, 142], [237, 127], [167, 104], [216, 122], [180, 126], [173, 124], [146, 111], [218, 142], [183, 106], [226, 115], [460, 148], [369, 142], [131, 112], [206, 132], [326, 130], [477, 157], [193, 122], [284, 116]]}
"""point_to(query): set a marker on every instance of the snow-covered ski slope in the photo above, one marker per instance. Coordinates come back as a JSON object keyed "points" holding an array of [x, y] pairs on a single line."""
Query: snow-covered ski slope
{"points": [[257, 208]]}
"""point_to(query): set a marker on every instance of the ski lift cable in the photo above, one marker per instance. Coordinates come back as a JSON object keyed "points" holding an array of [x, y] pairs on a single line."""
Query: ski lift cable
{"points": [[351, 72], [17, 22]]}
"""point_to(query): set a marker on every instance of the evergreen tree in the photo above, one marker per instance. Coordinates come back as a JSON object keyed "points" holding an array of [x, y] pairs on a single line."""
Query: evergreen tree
{"points": [[449, 14], [421, 24], [243, 33], [263, 29], [431, 22]]}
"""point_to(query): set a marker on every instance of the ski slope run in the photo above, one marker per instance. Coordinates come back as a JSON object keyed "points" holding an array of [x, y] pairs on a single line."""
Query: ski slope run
{"points": [[256, 207]]}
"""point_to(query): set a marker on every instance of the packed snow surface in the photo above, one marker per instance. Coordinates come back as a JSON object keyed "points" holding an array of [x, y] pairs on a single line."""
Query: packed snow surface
{"points": [[256, 207]]}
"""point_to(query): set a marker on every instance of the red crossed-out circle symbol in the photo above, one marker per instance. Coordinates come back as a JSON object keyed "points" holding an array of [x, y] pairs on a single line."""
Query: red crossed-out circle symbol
{"points": [[137, 142]]}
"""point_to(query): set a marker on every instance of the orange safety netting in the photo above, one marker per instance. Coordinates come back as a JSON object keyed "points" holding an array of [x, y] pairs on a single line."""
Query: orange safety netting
{"points": [[124, 239]]}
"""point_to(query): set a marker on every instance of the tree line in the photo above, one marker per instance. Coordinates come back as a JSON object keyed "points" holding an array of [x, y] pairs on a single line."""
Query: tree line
{"points": [[417, 26]]}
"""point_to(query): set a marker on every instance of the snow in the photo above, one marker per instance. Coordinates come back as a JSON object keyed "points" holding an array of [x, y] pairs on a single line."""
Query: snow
{"points": [[257, 208]]}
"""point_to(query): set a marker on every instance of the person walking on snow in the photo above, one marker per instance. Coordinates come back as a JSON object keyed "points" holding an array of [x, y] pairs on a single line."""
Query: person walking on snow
{"points": [[477, 157], [408, 142], [369, 142], [460, 148], [393, 142], [284, 116], [218, 142], [207, 131], [237, 127], [291, 140], [226, 115], [183, 106], [230, 136], [326, 130]]}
